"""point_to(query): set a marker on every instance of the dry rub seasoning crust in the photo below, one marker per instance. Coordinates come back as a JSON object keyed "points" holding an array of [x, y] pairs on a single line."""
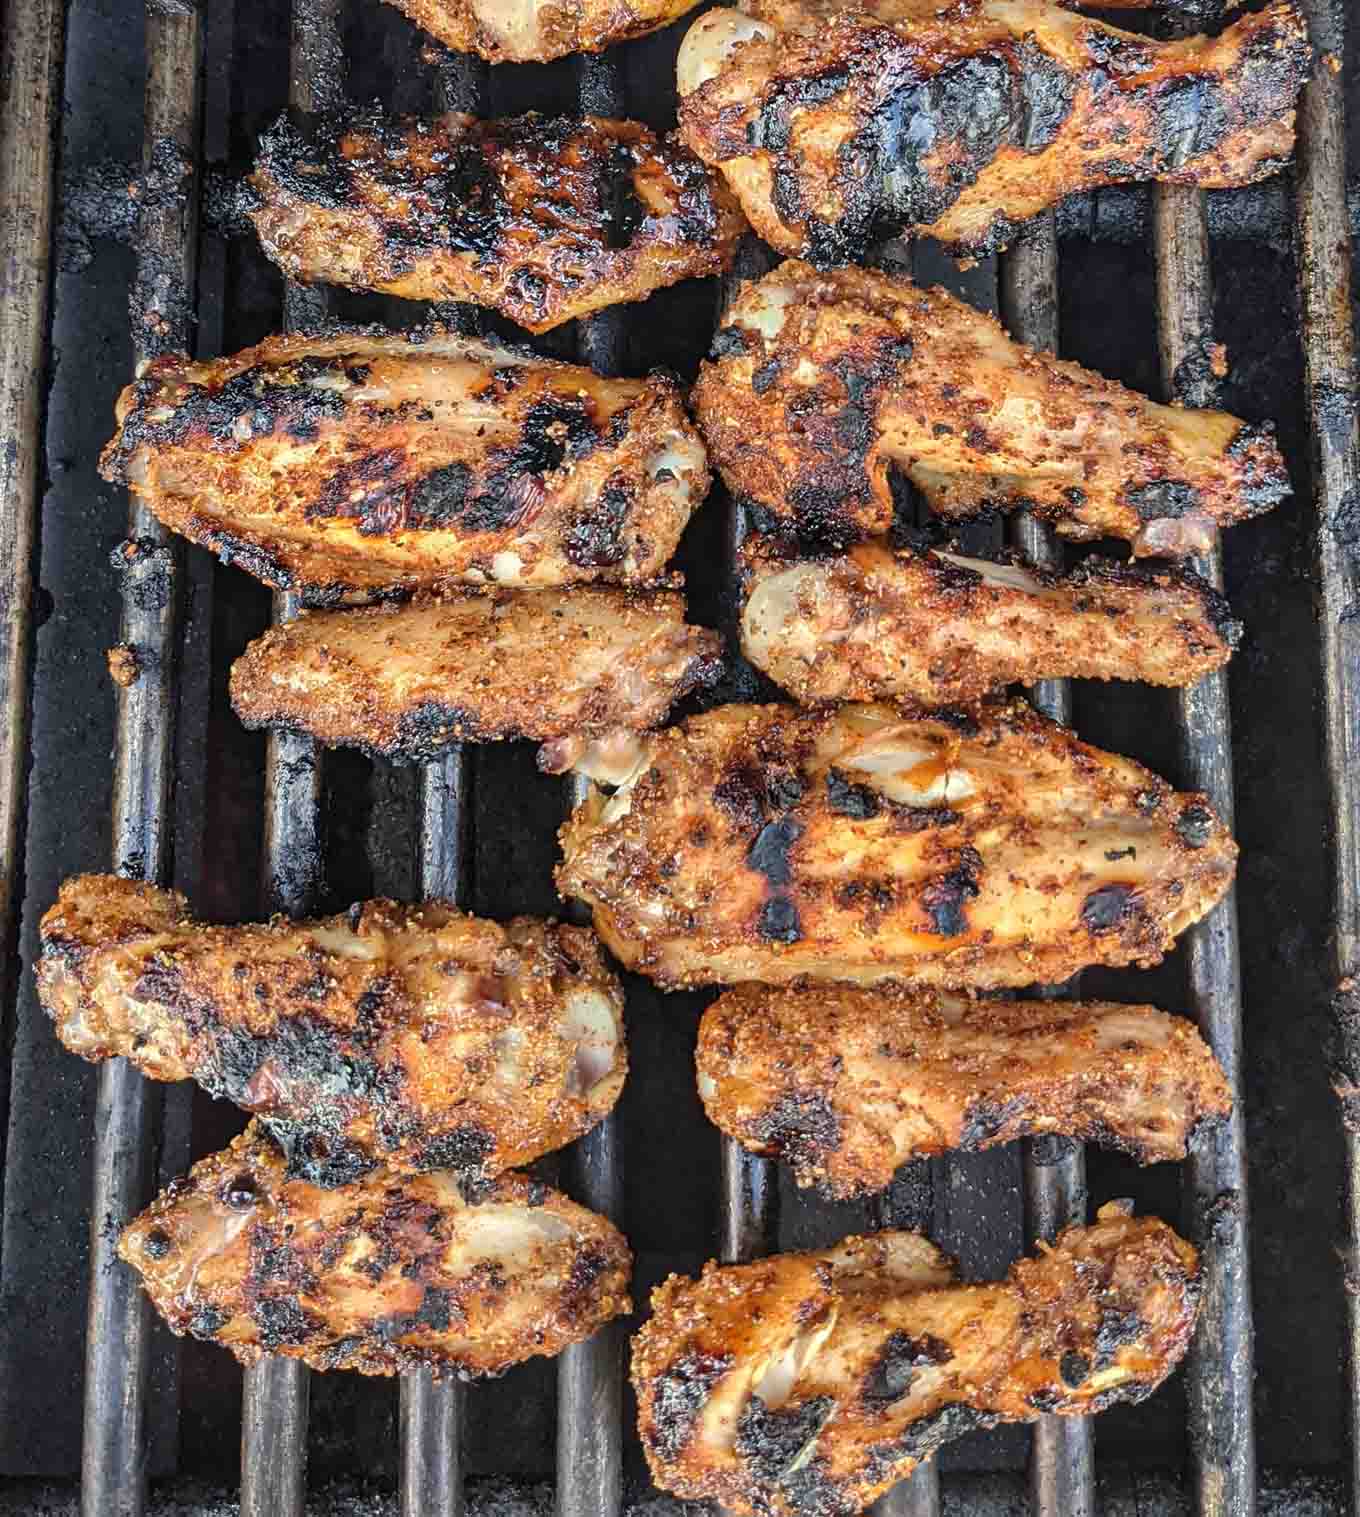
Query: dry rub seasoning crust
{"points": [[367, 463], [405, 681], [386, 1274], [982, 848], [839, 127], [536, 31], [413, 1036], [846, 1085], [542, 219], [810, 1383], [933, 626], [819, 383]]}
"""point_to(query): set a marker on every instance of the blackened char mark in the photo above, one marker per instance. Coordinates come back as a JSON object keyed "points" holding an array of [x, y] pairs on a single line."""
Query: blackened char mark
{"points": [[891, 1375], [1116, 1330], [801, 1128], [313, 1151], [595, 540], [427, 730], [1187, 116], [945, 898], [984, 1120], [769, 852], [846, 798], [1109, 907], [1161, 498], [769, 1440], [283, 1322], [680, 1395], [1195, 825], [778, 921], [438, 500], [624, 212], [465, 1148]]}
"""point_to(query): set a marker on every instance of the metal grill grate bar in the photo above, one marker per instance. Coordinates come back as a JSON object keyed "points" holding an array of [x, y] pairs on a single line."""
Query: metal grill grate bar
{"points": [[1219, 1369], [128, 1108], [1062, 1459], [1324, 256]]}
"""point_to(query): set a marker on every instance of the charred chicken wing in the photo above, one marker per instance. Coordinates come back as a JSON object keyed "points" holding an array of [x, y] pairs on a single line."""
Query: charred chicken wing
{"points": [[536, 31], [841, 125], [387, 1273], [846, 1085], [411, 1035], [938, 628], [820, 382], [369, 462], [576, 669], [812, 1382], [867, 844], [540, 219]]}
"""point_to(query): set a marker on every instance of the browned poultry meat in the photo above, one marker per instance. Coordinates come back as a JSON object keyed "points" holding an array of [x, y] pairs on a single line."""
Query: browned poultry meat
{"points": [[841, 125], [810, 1383], [384, 1274], [846, 1085], [536, 31], [936, 627], [376, 462], [867, 844], [541, 219], [580, 670], [820, 382], [411, 1035]]}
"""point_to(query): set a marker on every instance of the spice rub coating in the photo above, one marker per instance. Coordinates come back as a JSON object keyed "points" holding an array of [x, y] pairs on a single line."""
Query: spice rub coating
{"points": [[566, 667], [841, 126], [936, 627], [411, 1036], [810, 1383], [981, 848], [537, 31], [847, 1085], [389, 1273], [540, 218], [819, 383], [363, 463]]}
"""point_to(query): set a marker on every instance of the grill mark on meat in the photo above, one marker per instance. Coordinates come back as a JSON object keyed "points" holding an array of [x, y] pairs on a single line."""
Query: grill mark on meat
{"points": [[891, 1375], [682, 1391]]}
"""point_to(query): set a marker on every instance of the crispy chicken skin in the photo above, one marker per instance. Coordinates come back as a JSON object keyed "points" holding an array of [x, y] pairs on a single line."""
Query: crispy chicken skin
{"points": [[411, 1035], [541, 219], [566, 667], [820, 382], [935, 627], [536, 31], [845, 1085], [371, 462], [810, 1383], [384, 1274], [981, 848], [839, 126]]}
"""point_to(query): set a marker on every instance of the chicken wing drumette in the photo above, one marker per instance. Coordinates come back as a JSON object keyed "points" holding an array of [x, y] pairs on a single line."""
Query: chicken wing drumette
{"points": [[376, 462], [812, 1382], [542, 219], [979, 848], [839, 125], [935, 627], [387, 1273], [847, 1085], [536, 31], [414, 1036], [820, 382], [579, 670]]}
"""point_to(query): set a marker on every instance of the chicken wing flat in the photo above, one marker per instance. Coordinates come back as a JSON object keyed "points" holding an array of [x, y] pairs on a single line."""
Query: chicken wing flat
{"points": [[938, 628], [867, 844], [569, 668], [387, 1273], [839, 126], [820, 382], [536, 31], [541, 219], [847, 1085], [378, 462], [411, 1035], [812, 1382]]}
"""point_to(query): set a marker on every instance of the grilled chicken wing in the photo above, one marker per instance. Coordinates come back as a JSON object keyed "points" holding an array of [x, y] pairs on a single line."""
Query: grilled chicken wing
{"points": [[812, 1382], [821, 381], [838, 126], [373, 462], [536, 31], [384, 1274], [570, 668], [411, 1035], [938, 628], [866, 844], [540, 219], [846, 1085]]}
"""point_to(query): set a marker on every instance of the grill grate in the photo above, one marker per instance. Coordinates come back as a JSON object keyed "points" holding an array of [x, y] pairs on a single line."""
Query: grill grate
{"points": [[131, 1126]]}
